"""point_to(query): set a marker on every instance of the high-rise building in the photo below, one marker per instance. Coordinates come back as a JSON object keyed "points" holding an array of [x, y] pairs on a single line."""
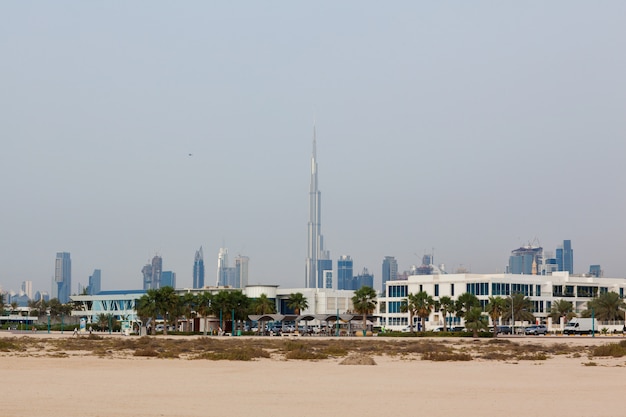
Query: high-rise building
{"points": [[568, 257], [364, 279], [168, 279], [94, 282], [315, 248], [152, 274], [222, 267], [198, 269], [27, 288], [323, 266], [344, 273], [390, 270], [241, 271], [596, 271], [526, 260], [63, 276]]}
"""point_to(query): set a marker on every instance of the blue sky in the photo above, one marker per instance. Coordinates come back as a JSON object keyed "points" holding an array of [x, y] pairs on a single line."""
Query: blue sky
{"points": [[470, 128]]}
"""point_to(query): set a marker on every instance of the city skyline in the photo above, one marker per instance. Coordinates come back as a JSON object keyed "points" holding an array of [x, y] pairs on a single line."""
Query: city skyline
{"points": [[470, 129]]}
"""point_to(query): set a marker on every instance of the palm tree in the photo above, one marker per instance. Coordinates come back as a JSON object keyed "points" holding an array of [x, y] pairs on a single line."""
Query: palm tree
{"points": [[186, 307], [465, 303], [148, 308], [419, 304], [203, 303], [562, 308], [475, 321], [520, 307], [103, 321], [495, 308], [297, 302], [262, 306], [446, 306], [167, 301], [607, 306], [364, 302]]}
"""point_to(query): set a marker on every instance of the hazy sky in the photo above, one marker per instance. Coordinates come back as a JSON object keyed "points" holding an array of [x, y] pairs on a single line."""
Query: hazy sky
{"points": [[467, 127]]}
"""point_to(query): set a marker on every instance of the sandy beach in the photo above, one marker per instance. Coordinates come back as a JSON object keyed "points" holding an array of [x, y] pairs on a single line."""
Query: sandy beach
{"points": [[85, 385]]}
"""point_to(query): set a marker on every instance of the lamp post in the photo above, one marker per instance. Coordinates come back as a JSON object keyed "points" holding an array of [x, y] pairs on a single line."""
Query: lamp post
{"points": [[110, 324], [48, 314], [232, 331], [221, 327], [61, 323], [337, 324]]}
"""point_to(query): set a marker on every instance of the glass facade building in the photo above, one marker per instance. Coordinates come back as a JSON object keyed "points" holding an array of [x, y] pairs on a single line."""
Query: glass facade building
{"points": [[63, 276]]}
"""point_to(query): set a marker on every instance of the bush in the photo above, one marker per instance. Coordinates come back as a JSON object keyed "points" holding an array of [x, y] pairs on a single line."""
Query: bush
{"points": [[446, 356], [616, 350]]}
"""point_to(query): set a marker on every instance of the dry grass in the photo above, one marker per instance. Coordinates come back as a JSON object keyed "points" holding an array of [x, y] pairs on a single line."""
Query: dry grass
{"points": [[246, 349]]}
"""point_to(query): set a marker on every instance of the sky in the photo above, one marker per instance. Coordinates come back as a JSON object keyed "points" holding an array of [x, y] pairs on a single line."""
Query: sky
{"points": [[467, 129]]}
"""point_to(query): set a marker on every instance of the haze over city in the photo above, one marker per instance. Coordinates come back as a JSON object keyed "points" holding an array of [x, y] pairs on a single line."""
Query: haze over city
{"points": [[130, 130]]}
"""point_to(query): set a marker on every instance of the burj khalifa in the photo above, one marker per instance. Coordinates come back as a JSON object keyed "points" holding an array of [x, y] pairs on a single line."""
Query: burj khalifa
{"points": [[317, 259]]}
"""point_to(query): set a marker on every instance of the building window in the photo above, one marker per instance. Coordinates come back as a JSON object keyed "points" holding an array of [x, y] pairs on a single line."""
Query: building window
{"points": [[421, 288], [621, 293], [436, 290], [452, 290], [397, 291], [538, 290]]}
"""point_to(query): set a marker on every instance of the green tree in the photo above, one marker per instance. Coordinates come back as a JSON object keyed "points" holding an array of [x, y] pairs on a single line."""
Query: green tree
{"points": [[475, 320], [187, 304], [520, 306], [262, 306], [446, 307], [297, 302], [364, 302], [204, 307], [465, 303], [148, 308], [608, 306], [420, 304], [562, 308], [495, 308], [167, 305]]}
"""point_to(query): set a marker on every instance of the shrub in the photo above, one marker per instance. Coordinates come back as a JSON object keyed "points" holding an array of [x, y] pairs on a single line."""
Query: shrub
{"points": [[446, 356], [616, 350]]}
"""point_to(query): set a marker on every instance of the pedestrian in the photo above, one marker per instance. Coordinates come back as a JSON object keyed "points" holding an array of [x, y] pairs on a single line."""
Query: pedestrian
{"points": [[90, 330], [75, 332]]}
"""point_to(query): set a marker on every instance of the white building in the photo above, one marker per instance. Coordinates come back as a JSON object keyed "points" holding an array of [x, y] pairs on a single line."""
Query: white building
{"points": [[541, 289]]}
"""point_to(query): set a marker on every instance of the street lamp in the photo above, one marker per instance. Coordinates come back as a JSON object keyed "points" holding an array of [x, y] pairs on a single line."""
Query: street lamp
{"points": [[48, 314], [232, 331]]}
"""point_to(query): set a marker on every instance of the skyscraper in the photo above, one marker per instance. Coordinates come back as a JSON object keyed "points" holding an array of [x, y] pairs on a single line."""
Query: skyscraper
{"points": [[168, 279], [222, 268], [198, 269], [63, 276], [526, 260], [152, 274], [241, 271], [390, 270], [94, 282], [315, 248], [344, 273], [27, 288]]}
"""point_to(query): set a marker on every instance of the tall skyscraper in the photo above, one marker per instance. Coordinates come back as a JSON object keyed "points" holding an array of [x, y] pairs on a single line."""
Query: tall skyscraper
{"points": [[94, 282], [168, 279], [63, 276], [198, 269], [390, 270], [241, 271], [344, 273], [152, 274], [222, 268], [526, 260], [364, 279], [568, 256], [27, 289], [315, 248]]}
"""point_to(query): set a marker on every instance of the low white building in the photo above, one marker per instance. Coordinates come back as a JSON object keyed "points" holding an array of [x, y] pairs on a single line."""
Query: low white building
{"points": [[541, 289]]}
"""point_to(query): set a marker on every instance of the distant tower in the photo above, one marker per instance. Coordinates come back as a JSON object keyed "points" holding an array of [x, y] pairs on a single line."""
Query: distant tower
{"points": [[152, 274], [390, 270], [94, 282], [315, 248], [222, 267], [198, 269], [63, 276], [241, 271], [168, 279], [344, 273], [27, 288]]}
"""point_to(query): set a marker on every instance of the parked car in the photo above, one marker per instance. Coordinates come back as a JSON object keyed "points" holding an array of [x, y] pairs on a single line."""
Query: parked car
{"points": [[536, 329], [504, 329]]}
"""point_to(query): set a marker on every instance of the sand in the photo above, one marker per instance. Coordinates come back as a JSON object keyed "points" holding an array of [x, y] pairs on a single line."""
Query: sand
{"points": [[92, 386]]}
